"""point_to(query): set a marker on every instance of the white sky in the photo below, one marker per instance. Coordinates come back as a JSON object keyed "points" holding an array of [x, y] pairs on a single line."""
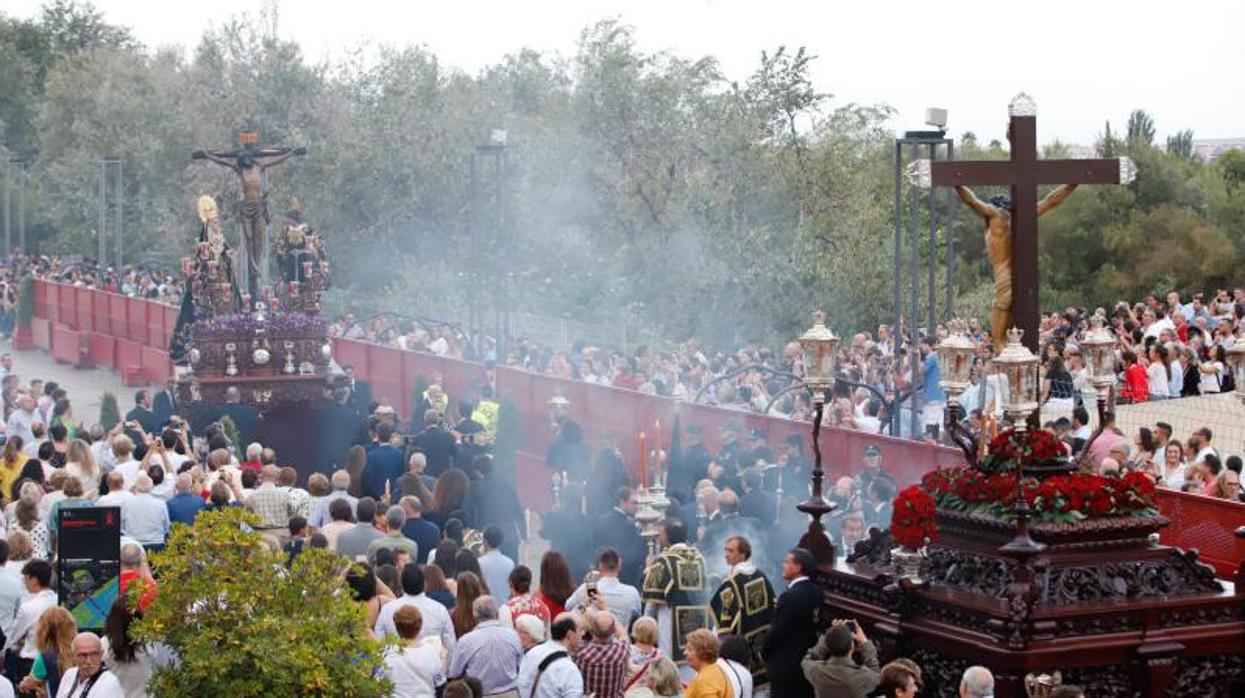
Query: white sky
{"points": [[1084, 61]]}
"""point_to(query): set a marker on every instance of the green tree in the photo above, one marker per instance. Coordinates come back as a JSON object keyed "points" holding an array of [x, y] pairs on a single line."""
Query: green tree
{"points": [[1140, 128], [109, 411], [1180, 144], [242, 629]]}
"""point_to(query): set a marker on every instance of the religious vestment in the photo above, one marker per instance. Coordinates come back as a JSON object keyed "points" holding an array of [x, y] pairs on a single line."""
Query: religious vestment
{"points": [[675, 590], [744, 605]]}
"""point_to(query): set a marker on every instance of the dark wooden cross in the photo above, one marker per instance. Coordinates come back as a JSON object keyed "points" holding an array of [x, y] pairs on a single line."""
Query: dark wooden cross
{"points": [[1023, 173]]}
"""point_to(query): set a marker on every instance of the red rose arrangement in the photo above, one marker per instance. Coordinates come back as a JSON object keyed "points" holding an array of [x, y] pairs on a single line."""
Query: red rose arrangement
{"points": [[913, 519], [1028, 449], [1060, 498]]}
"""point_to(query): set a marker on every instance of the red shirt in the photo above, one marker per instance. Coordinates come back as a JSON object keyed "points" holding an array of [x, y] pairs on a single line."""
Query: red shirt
{"points": [[1136, 386], [149, 592], [252, 465], [555, 609], [529, 605]]}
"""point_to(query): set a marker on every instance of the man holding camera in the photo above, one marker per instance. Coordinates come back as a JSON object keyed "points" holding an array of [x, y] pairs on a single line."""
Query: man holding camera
{"points": [[623, 600], [832, 671]]}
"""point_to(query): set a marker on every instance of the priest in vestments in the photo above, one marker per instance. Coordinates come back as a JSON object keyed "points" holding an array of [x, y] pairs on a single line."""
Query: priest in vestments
{"points": [[675, 590], [744, 603]]}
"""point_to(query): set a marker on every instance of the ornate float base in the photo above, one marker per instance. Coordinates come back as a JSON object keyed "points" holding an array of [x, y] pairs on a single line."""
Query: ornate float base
{"points": [[1112, 611]]}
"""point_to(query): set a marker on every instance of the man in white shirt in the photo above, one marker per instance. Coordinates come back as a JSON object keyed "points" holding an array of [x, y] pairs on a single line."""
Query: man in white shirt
{"points": [[147, 519], [12, 591], [90, 677], [117, 496], [37, 577], [547, 670], [622, 600], [22, 420], [1204, 448], [437, 621], [123, 454]]}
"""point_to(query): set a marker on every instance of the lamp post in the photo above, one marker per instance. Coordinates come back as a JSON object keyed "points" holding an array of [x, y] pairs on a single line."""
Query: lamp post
{"points": [[955, 363], [1099, 350], [820, 347], [1019, 369]]}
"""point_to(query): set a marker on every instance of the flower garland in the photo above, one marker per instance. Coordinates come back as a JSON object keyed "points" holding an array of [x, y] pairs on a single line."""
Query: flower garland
{"points": [[913, 519], [1029, 449], [1060, 498]]}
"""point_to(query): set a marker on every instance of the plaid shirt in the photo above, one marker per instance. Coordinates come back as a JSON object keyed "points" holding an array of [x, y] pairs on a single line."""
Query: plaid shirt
{"points": [[604, 666], [272, 505]]}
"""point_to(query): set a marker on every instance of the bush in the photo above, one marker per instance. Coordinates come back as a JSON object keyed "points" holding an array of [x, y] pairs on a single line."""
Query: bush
{"points": [[109, 411], [230, 428], [243, 626]]}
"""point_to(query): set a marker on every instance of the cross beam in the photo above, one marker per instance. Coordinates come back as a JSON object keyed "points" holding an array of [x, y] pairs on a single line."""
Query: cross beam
{"points": [[1024, 172]]}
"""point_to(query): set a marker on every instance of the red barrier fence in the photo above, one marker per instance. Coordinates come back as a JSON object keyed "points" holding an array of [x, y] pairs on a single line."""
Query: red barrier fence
{"points": [[131, 336]]}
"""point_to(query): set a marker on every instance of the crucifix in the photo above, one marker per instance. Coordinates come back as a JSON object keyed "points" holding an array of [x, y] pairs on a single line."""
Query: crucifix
{"points": [[1012, 223], [249, 163]]}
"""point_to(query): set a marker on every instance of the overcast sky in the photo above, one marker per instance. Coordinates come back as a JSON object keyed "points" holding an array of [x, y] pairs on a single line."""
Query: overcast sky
{"points": [[1084, 61]]}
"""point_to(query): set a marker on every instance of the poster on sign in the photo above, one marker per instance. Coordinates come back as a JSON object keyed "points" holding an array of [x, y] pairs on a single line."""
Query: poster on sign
{"points": [[88, 562]]}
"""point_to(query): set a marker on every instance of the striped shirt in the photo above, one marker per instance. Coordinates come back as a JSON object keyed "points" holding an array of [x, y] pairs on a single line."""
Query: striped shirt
{"points": [[490, 653]]}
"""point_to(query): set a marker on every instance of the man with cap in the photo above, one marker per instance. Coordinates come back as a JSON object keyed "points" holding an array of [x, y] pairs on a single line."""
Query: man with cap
{"points": [[796, 471], [873, 470], [760, 452]]}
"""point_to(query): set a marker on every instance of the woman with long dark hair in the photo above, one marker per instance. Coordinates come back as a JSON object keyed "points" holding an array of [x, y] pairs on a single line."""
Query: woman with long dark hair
{"points": [[470, 588], [555, 582], [129, 661], [449, 493]]}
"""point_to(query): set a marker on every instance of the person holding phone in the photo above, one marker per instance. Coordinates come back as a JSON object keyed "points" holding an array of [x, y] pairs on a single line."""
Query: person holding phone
{"points": [[830, 666]]}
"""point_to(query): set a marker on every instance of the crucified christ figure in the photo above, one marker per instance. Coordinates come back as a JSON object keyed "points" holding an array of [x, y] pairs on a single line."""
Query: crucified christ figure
{"points": [[998, 216], [249, 164]]}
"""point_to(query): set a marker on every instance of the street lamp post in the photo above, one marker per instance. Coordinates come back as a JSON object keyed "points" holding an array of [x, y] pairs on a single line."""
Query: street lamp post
{"points": [[820, 347]]}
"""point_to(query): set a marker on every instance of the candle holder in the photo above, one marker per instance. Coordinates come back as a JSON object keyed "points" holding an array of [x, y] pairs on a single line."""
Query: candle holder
{"points": [[955, 362], [289, 357], [820, 347], [1098, 348], [231, 359]]}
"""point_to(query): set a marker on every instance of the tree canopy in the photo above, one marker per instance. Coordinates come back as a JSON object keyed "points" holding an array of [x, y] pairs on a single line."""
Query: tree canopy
{"points": [[645, 189]]}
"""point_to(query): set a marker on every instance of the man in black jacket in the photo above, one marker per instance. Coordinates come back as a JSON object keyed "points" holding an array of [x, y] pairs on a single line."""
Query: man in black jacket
{"points": [[794, 629], [616, 529], [436, 443]]}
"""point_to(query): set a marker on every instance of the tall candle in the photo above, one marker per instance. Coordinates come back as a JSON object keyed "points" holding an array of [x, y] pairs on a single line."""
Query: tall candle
{"points": [[643, 461], [657, 452]]}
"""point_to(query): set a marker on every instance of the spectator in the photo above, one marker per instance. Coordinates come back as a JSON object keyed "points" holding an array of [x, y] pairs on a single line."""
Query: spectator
{"points": [[89, 674], [734, 657], [494, 566], [416, 669], [978, 682], [623, 600], [662, 681], [270, 502], [20, 650], [353, 542], [395, 517], [897, 681], [54, 634], [603, 660], [130, 662], [832, 671], [491, 652], [320, 515], [148, 517], [185, 505], [469, 588], [340, 511], [555, 582], [437, 588], [701, 651], [425, 533], [436, 620], [547, 670]]}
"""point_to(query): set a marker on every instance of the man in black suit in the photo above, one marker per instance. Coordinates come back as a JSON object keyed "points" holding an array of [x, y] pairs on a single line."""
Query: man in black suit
{"points": [[616, 529], [794, 630], [166, 404], [756, 502], [436, 443], [143, 415]]}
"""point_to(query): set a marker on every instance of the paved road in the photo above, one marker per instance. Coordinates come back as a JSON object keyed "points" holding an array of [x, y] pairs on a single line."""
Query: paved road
{"points": [[85, 386]]}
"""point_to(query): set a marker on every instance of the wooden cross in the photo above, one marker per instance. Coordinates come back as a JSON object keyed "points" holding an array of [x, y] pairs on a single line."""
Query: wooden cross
{"points": [[1023, 173]]}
